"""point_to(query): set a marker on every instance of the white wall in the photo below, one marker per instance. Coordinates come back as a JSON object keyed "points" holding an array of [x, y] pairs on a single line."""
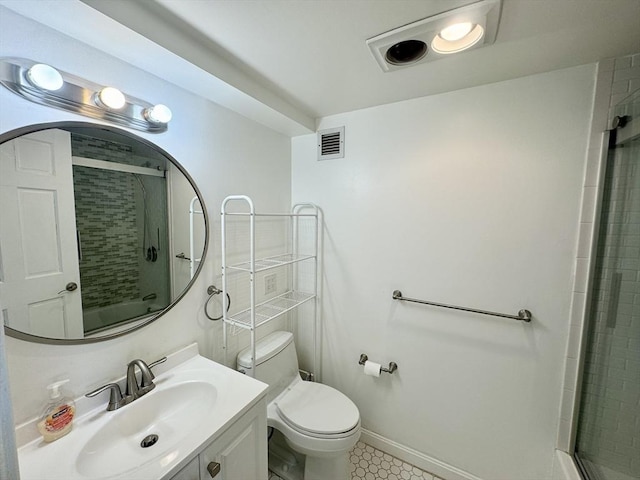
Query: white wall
{"points": [[469, 198], [224, 153]]}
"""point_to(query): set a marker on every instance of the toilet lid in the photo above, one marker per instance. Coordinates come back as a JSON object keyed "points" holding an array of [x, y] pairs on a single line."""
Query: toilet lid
{"points": [[318, 408]]}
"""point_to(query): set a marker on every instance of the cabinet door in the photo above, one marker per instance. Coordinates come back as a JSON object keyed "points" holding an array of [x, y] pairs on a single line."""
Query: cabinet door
{"points": [[190, 472], [240, 453]]}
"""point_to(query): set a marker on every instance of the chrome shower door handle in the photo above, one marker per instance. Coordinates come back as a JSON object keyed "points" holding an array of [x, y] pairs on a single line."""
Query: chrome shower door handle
{"points": [[69, 287]]}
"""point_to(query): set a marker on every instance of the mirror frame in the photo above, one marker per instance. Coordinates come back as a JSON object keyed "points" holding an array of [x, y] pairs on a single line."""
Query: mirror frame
{"points": [[12, 134]]}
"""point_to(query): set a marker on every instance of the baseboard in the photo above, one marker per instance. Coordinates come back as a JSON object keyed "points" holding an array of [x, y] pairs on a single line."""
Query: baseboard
{"points": [[420, 460]]}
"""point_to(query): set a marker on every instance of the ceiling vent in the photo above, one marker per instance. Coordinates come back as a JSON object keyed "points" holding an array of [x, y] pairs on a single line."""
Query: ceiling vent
{"points": [[331, 143], [435, 37]]}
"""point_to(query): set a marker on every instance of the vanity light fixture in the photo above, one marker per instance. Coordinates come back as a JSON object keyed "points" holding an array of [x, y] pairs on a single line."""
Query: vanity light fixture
{"points": [[45, 85], [157, 114], [45, 77], [111, 97], [471, 26]]}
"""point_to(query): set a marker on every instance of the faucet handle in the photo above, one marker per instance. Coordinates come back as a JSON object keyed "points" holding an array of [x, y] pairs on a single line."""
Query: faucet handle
{"points": [[158, 362], [151, 376], [116, 400]]}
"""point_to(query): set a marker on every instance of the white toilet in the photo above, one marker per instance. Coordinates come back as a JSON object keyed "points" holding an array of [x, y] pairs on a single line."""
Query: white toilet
{"points": [[318, 423]]}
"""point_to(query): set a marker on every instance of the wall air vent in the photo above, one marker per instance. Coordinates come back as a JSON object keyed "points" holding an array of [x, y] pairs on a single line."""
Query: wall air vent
{"points": [[331, 143]]}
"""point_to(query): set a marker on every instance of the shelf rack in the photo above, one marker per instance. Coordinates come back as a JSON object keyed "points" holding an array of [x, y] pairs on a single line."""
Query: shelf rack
{"points": [[258, 314], [193, 211]]}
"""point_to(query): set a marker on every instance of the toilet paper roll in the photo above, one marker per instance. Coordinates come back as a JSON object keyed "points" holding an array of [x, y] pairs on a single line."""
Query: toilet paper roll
{"points": [[372, 368]]}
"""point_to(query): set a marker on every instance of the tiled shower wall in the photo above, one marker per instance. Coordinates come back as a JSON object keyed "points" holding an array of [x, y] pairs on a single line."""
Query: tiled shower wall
{"points": [[609, 432], [626, 80], [106, 221], [609, 420]]}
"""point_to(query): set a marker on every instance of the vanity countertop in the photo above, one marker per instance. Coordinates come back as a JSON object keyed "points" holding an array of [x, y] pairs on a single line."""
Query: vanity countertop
{"points": [[187, 381]]}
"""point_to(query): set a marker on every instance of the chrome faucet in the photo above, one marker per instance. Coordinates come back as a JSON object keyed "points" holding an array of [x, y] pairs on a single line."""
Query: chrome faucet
{"points": [[134, 389]]}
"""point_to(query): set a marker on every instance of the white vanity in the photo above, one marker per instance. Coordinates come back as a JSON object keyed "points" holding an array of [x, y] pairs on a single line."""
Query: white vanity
{"points": [[201, 421]]}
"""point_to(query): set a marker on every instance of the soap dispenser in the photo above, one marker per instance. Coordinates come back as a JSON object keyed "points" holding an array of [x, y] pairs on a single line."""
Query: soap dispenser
{"points": [[57, 417]]}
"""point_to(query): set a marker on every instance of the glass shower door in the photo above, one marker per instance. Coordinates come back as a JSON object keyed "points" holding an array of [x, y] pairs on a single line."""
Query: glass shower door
{"points": [[608, 436]]}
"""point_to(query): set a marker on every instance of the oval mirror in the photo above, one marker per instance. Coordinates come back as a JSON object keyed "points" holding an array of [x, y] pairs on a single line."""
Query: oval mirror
{"points": [[101, 232]]}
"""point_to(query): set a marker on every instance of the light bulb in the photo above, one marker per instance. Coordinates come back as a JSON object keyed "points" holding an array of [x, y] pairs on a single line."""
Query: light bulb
{"points": [[457, 40], [45, 77], [111, 97], [456, 31], [158, 114]]}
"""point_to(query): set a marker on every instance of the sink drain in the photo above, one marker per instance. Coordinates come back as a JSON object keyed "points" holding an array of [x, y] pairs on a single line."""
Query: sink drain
{"points": [[149, 440]]}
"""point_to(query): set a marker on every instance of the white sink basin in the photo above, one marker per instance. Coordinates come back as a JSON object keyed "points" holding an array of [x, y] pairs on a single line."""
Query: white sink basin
{"points": [[169, 414], [194, 401]]}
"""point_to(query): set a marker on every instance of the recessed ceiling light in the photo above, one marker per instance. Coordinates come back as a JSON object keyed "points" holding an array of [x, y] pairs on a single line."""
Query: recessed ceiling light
{"points": [[444, 46], [456, 31], [433, 38], [111, 97], [44, 76]]}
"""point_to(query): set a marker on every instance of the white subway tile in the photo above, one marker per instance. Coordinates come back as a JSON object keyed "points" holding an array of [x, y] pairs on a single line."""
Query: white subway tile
{"points": [[622, 63], [626, 73], [564, 435], [578, 304], [589, 195], [581, 276], [621, 86], [585, 239], [573, 346]]}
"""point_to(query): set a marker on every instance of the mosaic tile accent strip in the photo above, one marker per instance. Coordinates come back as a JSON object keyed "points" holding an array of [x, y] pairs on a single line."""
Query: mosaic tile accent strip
{"points": [[368, 463]]}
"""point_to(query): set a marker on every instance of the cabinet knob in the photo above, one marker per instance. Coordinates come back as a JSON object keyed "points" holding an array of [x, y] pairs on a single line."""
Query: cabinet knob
{"points": [[213, 468]]}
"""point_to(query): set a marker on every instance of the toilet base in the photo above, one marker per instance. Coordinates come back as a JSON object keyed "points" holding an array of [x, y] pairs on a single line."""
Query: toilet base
{"points": [[291, 465], [284, 462]]}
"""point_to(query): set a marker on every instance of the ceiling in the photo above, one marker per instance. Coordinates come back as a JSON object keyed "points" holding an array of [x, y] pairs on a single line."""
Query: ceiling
{"points": [[313, 53], [287, 63]]}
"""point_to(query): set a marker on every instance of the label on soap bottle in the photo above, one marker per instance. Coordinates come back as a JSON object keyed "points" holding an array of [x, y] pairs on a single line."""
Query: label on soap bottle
{"points": [[59, 418]]}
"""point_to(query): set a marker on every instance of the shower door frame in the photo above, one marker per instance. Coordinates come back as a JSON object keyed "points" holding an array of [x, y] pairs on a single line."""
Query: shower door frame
{"points": [[611, 139]]}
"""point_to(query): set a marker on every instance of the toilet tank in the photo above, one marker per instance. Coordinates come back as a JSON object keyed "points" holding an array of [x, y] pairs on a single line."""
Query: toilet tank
{"points": [[276, 362]]}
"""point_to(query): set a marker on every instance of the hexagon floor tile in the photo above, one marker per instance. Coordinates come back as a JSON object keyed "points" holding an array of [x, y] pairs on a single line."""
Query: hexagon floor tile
{"points": [[368, 463]]}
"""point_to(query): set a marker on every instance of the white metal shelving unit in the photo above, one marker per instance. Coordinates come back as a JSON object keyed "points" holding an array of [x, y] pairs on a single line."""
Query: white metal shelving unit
{"points": [[193, 261], [258, 314]]}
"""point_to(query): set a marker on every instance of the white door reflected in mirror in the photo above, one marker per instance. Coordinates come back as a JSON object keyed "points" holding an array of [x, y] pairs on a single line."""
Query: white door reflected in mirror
{"points": [[38, 235]]}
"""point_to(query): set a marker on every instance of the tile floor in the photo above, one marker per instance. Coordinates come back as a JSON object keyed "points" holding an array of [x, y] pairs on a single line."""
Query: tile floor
{"points": [[368, 463]]}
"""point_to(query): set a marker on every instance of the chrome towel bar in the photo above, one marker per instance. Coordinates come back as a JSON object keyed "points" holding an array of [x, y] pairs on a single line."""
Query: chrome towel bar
{"points": [[523, 315]]}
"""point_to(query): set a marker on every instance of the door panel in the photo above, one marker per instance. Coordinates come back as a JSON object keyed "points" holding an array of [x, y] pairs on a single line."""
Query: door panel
{"points": [[38, 248], [39, 233]]}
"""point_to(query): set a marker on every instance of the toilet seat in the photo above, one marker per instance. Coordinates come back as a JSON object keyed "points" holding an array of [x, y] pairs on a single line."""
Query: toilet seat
{"points": [[317, 410]]}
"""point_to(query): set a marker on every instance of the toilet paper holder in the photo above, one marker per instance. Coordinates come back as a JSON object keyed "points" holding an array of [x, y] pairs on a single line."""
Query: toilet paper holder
{"points": [[393, 366]]}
